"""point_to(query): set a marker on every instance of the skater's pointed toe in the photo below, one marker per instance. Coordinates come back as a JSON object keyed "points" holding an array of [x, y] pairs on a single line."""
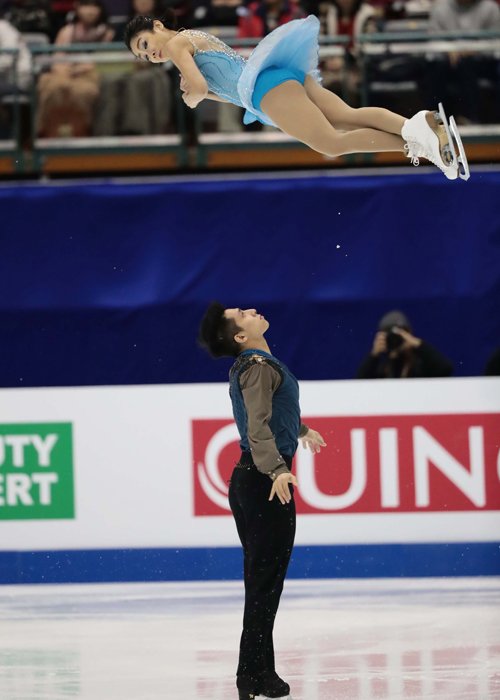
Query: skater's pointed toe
{"points": [[451, 173]]}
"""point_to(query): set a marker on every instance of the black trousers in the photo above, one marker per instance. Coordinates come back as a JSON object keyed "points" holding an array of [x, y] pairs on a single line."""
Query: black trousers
{"points": [[267, 531]]}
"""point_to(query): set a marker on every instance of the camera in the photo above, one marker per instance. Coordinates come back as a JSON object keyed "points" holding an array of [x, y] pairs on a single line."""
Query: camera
{"points": [[394, 340]]}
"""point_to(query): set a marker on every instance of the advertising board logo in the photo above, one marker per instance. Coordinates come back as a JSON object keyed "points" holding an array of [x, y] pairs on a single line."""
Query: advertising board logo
{"points": [[372, 464], [36, 471]]}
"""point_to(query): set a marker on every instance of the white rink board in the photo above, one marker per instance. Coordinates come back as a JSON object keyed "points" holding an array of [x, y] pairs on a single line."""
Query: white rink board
{"points": [[134, 474]]}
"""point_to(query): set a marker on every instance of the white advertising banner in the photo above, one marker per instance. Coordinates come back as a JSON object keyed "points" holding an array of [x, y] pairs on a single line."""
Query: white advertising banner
{"points": [[147, 466]]}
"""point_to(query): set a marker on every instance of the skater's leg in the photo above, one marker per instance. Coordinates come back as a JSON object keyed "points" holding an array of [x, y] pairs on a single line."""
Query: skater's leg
{"points": [[269, 535], [290, 108], [342, 116]]}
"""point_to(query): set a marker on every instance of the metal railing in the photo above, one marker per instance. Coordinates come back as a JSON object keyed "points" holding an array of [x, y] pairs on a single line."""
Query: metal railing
{"points": [[10, 97], [422, 44], [100, 54], [367, 47]]}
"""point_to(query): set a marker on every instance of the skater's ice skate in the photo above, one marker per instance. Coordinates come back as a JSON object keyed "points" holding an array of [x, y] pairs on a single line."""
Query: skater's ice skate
{"points": [[455, 140], [427, 135], [271, 687], [246, 695]]}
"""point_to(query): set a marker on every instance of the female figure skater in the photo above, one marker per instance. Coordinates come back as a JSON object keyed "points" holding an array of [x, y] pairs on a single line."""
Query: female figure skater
{"points": [[279, 85]]}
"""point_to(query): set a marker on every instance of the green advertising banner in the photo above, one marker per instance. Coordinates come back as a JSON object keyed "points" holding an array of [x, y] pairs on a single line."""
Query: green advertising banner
{"points": [[36, 471]]}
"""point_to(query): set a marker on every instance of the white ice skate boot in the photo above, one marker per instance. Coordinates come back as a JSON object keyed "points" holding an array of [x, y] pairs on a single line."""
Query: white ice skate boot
{"points": [[434, 144]]}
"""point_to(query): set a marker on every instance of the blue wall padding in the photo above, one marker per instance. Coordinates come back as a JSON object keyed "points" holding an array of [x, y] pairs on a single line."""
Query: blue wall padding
{"points": [[105, 284], [226, 563]]}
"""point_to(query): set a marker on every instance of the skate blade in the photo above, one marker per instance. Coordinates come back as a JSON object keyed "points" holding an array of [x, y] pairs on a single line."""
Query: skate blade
{"points": [[442, 119], [455, 142], [463, 164]]}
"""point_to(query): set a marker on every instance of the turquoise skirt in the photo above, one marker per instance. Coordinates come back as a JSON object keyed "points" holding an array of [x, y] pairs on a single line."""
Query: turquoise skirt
{"points": [[292, 47]]}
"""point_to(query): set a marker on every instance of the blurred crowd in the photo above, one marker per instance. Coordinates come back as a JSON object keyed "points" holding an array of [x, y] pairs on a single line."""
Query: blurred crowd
{"points": [[80, 97]]}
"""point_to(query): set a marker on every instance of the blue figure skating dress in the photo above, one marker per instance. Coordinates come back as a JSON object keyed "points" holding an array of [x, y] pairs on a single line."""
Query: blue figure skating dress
{"points": [[290, 52]]}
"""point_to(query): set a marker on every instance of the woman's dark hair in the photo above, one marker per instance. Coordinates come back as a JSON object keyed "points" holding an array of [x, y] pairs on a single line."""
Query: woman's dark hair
{"points": [[103, 17], [146, 24], [217, 332]]}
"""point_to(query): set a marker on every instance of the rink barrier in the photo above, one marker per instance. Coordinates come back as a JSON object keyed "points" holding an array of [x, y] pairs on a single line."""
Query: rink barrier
{"points": [[213, 564], [356, 262]]}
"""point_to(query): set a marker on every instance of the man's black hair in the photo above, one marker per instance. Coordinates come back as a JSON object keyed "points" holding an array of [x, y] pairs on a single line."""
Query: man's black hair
{"points": [[217, 332]]}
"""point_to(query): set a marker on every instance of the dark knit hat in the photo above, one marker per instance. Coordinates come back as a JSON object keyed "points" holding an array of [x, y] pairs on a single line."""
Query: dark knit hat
{"points": [[394, 318]]}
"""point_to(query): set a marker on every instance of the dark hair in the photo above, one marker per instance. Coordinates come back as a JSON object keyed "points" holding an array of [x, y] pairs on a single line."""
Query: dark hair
{"points": [[103, 17], [146, 24], [217, 332]]}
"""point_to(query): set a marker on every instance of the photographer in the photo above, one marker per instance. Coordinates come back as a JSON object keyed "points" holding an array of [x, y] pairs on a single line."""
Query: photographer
{"points": [[397, 353]]}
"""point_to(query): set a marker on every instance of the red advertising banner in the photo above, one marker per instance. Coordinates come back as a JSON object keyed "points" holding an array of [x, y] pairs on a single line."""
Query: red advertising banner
{"points": [[372, 464]]}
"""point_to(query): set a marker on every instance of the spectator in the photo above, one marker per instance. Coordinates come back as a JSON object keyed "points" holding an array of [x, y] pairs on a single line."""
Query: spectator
{"points": [[60, 10], [10, 38], [492, 368], [182, 10], [345, 18], [397, 353], [137, 102], [262, 16], [10, 82], [216, 13], [151, 8], [31, 17], [458, 74], [68, 92]]}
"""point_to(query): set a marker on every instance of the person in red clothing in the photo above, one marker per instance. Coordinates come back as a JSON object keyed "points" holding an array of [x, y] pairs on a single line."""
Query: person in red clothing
{"points": [[260, 18]]}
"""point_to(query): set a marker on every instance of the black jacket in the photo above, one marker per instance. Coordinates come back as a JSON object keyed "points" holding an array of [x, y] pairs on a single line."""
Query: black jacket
{"points": [[425, 361]]}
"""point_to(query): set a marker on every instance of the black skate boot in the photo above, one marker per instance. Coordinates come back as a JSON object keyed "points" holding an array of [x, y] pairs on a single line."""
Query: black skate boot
{"points": [[271, 686]]}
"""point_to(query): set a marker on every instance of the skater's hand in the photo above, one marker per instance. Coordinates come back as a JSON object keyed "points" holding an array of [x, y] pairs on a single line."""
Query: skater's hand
{"points": [[379, 343], [313, 440], [281, 488], [192, 99], [410, 341]]}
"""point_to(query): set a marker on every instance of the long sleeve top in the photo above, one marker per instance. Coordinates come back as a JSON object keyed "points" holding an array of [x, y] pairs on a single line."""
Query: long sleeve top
{"points": [[265, 401]]}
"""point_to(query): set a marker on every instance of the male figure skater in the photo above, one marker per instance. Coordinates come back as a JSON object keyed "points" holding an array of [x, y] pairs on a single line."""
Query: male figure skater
{"points": [[265, 399]]}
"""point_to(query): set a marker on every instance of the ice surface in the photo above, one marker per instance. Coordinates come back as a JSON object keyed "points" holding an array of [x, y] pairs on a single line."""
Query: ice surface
{"points": [[335, 640]]}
